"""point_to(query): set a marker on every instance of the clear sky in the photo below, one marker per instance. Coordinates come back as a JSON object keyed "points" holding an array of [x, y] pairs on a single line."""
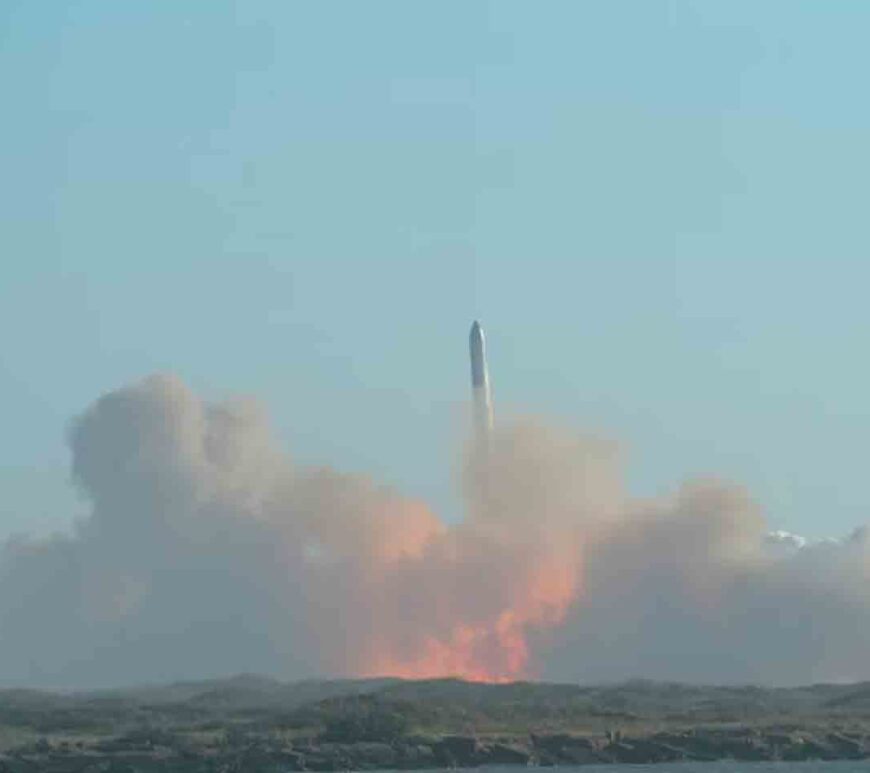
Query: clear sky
{"points": [[658, 209]]}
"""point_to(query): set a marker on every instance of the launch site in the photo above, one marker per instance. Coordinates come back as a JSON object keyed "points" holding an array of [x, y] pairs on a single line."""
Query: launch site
{"points": [[400, 385]]}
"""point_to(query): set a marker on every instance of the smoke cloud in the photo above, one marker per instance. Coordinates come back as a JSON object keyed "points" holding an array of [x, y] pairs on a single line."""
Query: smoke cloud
{"points": [[208, 552]]}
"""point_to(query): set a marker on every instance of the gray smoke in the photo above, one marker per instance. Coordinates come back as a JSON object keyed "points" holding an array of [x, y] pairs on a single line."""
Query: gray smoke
{"points": [[208, 552]]}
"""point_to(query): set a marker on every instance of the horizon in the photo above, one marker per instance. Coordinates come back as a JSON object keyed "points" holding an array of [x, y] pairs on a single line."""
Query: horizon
{"points": [[386, 678]]}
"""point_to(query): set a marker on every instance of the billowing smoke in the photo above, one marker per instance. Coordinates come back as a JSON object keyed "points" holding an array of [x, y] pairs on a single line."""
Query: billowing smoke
{"points": [[208, 552]]}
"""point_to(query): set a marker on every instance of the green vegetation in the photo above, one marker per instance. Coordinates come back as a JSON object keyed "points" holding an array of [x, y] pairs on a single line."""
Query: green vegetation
{"points": [[391, 723]]}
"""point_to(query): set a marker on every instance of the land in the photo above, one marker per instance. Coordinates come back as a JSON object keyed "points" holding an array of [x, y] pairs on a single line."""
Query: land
{"points": [[253, 724]]}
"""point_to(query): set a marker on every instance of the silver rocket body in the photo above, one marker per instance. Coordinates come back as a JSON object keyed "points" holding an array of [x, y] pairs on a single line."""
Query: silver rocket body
{"points": [[482, 398]]}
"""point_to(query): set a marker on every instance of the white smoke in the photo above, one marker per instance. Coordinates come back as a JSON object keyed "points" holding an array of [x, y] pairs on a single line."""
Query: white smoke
{"points": [[208, 552], [780, 540]]}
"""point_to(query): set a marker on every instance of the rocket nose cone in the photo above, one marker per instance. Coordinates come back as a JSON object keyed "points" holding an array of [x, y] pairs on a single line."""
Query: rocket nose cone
{"points": [[478, 356]]}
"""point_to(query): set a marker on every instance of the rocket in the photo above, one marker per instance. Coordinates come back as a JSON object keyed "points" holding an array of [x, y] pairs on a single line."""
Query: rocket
{"points": [[482, 400]]}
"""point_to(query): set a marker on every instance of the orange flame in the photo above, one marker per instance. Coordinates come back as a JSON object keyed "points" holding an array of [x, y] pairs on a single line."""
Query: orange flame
{"points": [[494, 648]]}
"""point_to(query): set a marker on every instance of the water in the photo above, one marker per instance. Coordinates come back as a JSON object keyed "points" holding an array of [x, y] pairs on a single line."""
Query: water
{"points": [[723, 766]]}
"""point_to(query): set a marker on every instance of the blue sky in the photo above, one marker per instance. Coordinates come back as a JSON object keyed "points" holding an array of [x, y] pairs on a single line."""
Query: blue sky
{"points": [[658, 210]]}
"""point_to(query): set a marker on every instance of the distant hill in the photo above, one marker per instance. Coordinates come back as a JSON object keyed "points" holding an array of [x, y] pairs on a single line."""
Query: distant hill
{"points": [[238, 692], [251, 722], [449, 703]]}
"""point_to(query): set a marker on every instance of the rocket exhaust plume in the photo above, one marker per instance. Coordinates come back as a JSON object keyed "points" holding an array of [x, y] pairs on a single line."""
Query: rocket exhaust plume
{"points": [[207, 550], [482, 398]]}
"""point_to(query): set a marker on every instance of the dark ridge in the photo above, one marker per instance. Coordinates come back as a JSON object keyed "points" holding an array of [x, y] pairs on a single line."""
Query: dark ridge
{"points": [[252, 722]]}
